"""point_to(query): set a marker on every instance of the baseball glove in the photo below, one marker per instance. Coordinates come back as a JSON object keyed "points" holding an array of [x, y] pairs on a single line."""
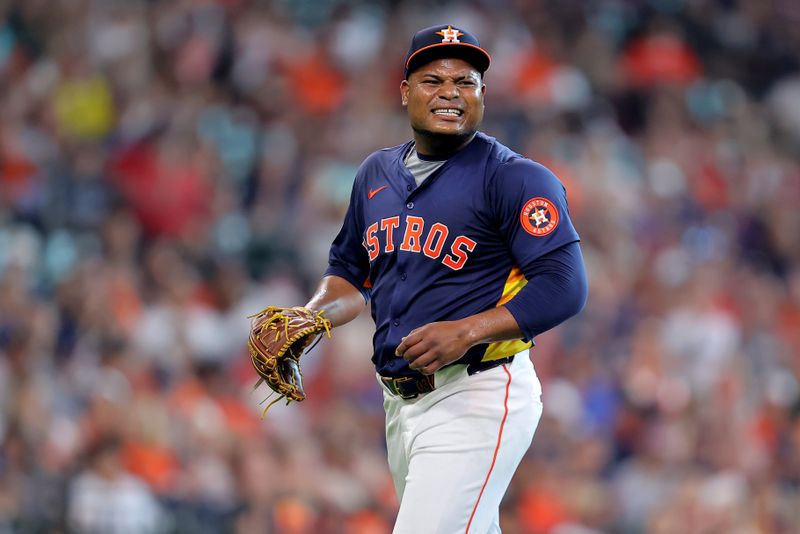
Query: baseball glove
{"points": [[278, 337]]}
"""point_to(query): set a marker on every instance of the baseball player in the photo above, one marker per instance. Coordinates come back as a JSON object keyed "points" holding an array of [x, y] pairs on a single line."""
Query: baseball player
{"points": [[467, 252]]}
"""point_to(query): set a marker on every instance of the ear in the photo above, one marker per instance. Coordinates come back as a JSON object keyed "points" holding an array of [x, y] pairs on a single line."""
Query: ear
{"points": [[404, 88]]}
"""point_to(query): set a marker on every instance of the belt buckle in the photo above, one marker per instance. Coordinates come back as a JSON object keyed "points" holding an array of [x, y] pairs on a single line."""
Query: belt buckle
{"points": [[393, 384]]}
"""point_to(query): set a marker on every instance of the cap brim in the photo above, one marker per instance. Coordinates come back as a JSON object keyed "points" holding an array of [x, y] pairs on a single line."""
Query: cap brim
{"points": [[474, 55]]}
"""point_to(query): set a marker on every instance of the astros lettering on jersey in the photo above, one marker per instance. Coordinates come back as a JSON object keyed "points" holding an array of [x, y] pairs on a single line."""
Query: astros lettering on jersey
{"points": [[457, 245]]}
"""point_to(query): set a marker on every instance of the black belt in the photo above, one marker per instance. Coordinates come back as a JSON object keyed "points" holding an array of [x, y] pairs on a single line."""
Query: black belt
{"points": [[410, 387]]}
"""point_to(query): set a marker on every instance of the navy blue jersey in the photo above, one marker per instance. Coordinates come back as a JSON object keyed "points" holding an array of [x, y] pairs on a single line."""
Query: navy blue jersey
{"points": [[461, 243]]}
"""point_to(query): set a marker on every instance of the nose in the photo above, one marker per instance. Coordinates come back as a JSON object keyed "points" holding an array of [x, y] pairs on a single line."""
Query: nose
{"points": [[448, 90]]}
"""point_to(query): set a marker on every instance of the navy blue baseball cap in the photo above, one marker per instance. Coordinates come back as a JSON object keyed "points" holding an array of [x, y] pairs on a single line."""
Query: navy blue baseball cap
{"points": [[444, 41]]}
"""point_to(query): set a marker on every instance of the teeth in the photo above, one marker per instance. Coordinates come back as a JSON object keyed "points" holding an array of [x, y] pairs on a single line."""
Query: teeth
{"points": [[447, 111]]}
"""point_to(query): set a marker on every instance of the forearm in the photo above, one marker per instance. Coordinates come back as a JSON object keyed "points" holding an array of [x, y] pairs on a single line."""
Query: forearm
{"points": [[338, 299], [556, 292], [496, 324]]}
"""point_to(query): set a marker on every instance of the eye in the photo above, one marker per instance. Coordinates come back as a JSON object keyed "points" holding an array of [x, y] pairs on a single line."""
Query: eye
{"points": [[467, 83]]}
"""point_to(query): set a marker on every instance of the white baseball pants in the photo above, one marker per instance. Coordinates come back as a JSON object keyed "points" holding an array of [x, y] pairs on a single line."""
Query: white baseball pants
{"points": [[452, 452]]}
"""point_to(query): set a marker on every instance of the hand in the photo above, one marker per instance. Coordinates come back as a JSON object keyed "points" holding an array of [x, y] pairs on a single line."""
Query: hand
{"points": [[431, 347]]}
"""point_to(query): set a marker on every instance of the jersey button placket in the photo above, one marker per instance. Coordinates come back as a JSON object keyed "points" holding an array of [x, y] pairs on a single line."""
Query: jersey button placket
{"points": [[403, 275]]}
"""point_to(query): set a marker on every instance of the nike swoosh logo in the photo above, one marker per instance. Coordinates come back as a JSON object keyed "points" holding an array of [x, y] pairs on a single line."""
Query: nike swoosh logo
{"points": [[373, 192]]}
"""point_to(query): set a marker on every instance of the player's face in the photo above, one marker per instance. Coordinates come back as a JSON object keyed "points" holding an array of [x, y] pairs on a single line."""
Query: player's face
{"points": [[444, 97]]}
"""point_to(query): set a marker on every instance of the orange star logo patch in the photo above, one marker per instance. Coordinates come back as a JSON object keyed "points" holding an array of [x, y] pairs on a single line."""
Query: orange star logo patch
{"points": [[539, 216]]}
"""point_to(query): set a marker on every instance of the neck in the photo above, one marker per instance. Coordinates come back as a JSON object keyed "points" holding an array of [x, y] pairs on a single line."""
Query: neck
{"points": [[439, 145]]}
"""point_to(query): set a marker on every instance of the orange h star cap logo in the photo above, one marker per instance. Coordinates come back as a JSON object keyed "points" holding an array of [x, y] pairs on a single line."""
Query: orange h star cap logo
{"points": [[449, 35]]}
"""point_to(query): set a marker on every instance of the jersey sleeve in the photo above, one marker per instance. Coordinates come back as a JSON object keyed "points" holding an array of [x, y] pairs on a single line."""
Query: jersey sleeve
{"points": [[530, 209], [556, 291], [347, 258]]}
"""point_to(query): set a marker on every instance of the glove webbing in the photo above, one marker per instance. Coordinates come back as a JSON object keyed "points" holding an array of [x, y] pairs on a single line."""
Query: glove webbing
{"points": [[271, 324], [288, 401]]}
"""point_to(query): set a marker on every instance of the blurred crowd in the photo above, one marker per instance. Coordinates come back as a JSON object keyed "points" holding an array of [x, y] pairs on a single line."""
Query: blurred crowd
{"points": [[168, 167]]}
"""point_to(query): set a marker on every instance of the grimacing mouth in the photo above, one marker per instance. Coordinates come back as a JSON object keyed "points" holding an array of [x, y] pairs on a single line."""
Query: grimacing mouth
{"points": [[448, 112]]}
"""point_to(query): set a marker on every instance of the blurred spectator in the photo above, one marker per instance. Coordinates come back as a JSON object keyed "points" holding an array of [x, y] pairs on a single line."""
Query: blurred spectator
{"points": [[105, 498]]}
